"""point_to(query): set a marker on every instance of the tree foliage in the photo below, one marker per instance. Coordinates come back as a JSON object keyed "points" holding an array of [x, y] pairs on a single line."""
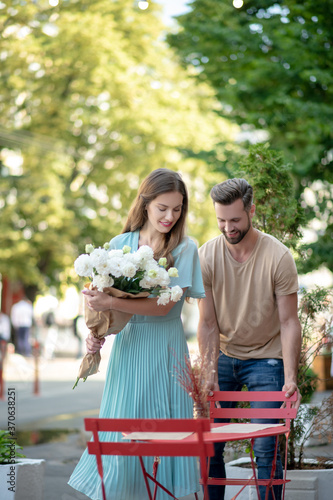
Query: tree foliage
{"points": [[270, 63], [92, 101], [277, 211]]}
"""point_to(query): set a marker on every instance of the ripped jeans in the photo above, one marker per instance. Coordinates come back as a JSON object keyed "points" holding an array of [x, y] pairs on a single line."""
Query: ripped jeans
{"points": [[257, 375]]}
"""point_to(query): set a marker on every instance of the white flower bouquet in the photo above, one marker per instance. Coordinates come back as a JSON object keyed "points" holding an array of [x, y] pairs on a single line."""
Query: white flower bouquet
{"points": [[121, 273]]}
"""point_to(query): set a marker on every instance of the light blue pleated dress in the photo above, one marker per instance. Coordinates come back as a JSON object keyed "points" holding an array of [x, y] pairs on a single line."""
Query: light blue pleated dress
{"points": [[141, 382]]}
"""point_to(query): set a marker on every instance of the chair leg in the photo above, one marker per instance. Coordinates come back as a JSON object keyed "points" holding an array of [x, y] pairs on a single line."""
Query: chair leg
{"points": [[254, 469], [269, 487], [145, 478], [103, 490]]}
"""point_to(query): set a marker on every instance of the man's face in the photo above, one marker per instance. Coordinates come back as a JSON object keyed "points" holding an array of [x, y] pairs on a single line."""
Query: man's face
{"points": [[233, 221]]}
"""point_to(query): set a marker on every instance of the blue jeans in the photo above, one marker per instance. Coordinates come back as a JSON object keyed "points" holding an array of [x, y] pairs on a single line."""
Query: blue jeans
{"points": [[23, 344], [257, 375]]}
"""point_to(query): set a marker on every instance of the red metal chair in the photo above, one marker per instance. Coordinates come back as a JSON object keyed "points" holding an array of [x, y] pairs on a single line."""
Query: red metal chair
{"points": [[287, 413], [196, 447]]}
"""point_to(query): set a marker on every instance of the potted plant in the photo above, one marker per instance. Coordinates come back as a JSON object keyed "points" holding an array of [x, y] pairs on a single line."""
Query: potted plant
{"points": [[20, 478]]}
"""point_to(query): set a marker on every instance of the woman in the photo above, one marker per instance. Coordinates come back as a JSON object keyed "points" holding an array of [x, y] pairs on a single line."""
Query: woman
{"points": [[141, 377]]}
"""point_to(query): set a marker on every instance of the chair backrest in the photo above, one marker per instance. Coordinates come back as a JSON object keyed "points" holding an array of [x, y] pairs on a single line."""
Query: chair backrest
{"points": [[159, 447], [287, 412]]}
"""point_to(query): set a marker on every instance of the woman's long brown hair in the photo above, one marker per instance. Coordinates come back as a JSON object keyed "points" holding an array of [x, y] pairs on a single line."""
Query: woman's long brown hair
{"points": [[158, 182]]}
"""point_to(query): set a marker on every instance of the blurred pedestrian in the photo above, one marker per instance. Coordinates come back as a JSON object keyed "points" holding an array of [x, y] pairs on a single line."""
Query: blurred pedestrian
{"points": [[5, 330], [5, 327], [76, 332], [22, 319]]}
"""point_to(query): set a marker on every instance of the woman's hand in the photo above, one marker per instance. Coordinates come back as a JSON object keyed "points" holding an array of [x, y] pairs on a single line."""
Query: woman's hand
{"points": [[93, 344], [97, 301]]}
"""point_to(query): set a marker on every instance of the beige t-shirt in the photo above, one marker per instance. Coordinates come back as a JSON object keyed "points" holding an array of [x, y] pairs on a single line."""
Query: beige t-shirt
{"points": [[245, 293]]}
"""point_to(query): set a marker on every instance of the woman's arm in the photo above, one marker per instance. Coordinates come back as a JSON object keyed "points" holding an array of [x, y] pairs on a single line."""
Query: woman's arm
{"points": [[100, 301]]}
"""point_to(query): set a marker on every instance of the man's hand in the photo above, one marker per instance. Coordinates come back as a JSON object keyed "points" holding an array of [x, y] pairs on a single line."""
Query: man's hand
{"points": [[290, 389]]}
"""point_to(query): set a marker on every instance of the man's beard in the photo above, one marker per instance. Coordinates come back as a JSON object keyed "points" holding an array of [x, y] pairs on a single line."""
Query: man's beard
{"points": [[241, 234]]}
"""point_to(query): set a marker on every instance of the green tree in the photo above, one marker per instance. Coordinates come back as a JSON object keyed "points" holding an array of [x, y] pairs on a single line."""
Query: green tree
{"points": [[92, 101], [270, 64], [277, 210]]}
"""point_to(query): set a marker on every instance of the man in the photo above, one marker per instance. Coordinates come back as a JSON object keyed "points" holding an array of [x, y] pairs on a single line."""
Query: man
{"points": [[248, 320], [22, 318]]}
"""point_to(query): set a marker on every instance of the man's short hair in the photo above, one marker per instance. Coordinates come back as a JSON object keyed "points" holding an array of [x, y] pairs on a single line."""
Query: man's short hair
{"points": [[229, 191]]}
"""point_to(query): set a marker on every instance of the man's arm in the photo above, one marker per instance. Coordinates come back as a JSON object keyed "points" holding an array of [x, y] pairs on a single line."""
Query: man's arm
{"points": [[209, 335], [291, 340]]}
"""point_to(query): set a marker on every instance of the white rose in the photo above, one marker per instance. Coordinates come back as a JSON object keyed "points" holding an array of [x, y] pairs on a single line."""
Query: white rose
{"points": [[173, 272], [89, 248], [162, 262], [83, 265]]}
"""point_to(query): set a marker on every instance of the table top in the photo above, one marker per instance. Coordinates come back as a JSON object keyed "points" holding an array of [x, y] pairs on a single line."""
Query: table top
{"points": [[219, 432], [234, 432]]}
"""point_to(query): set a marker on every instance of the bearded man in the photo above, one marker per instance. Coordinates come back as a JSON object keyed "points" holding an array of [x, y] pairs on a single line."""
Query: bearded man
{"points": [[248, 319]]}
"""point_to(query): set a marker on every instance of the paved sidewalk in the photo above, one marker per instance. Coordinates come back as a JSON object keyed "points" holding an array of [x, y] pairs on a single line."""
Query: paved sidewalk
{"points": [[58, 407]]}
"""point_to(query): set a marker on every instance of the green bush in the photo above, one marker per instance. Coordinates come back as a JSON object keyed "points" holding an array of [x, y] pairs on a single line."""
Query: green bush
{"points": [[8, 448]]}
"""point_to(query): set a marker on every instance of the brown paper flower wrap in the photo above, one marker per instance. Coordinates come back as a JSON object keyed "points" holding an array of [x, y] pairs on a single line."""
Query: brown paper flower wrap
{"points": [[101, 324]]}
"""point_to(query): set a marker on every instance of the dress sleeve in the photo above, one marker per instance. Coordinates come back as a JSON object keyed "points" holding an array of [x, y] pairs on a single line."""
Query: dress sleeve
{"points": [[189, 272], [120, 240]]}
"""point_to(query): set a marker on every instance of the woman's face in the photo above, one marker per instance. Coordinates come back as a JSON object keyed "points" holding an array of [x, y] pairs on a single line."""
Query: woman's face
{"points": [[164, 211]]}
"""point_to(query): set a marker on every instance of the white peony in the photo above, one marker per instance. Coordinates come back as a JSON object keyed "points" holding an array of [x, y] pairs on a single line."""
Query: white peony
{"points": [[115, 253], [158, 276], [101, 282], [99, 259], [164, 297], [83, 265], [145, 253], [115, 266], [163, 277], [152, 273], [128, 269], [131, 257], [176, 293], [147, 283]]}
